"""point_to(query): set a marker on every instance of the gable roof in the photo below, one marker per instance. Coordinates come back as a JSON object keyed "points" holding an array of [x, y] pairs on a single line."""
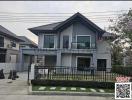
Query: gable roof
{"points": [[7, 33], [27, 41], [62, 25], [46, 27]]}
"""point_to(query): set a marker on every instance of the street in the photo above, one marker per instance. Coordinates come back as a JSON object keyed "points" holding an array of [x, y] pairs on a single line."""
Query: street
{"points": [[40, 97]]}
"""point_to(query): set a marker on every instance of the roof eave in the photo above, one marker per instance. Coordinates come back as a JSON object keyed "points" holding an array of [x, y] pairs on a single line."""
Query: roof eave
{"points": [[36, 32], [7, 35]]}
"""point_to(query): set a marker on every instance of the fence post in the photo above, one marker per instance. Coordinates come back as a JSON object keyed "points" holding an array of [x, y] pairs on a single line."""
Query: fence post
{"points": [[32, 75]]}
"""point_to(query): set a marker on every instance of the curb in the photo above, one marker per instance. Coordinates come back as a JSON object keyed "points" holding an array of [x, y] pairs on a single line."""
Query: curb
{"points": [[69, 93]]}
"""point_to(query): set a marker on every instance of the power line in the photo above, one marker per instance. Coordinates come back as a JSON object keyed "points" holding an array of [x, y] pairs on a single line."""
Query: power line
{"points": [[98, 18], [63, 13], [56, 15], [46, 21]]}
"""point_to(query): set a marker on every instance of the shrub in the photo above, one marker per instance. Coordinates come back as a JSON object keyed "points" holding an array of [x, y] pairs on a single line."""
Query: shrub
{"points": [[127, 71], [70, 83]]}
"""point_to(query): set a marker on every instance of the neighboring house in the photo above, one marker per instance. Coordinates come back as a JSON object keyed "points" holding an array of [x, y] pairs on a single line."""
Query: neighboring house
{"points": [[27, 43], [9, 46], [75, 42]]}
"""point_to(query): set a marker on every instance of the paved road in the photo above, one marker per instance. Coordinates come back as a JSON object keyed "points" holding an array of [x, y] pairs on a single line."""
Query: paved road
{"points": [[36, 97]]}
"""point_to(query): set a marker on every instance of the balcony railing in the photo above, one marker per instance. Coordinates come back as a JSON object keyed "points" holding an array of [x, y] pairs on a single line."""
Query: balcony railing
{"points": [[78, 45]]}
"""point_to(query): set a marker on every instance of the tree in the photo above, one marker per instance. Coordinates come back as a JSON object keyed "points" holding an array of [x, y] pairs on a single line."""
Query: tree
{"points": [[123, 27], [116, 53]]}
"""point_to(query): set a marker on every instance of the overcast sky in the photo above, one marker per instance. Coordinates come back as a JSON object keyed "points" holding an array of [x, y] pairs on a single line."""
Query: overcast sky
{"points": [[20, 28]]}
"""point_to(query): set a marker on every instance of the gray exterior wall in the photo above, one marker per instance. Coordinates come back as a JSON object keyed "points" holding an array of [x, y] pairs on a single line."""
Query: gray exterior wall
{"points": [[80, 29], [71, 31], [41, 40], [102, 47]]}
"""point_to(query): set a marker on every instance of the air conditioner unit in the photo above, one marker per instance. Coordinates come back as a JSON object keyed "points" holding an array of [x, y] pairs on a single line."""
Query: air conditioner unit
{"points": [[9, 46]]}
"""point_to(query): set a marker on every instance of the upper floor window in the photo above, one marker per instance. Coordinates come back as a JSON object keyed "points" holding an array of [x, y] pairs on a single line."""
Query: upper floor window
{"points": [[83, 42], [1, 41], [48, 41], [65, 41], [13, 44]]}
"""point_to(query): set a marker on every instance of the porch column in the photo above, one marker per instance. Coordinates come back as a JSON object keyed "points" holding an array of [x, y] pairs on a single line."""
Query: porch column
{"points": [[21, 60], [58, 63], [95, 59]]}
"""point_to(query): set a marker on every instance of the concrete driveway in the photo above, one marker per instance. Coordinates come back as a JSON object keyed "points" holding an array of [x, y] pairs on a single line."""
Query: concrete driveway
{"points": [[18, 86]]}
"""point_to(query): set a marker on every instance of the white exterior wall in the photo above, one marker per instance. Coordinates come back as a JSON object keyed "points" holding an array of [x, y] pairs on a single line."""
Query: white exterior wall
{"points": [[40, 40], [103, 52], [8, 66], [7, 42]]}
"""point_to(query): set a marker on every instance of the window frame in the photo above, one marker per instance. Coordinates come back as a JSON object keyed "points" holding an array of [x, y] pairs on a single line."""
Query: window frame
{"points": [[84, 36], [44, 41], [83, 57]]}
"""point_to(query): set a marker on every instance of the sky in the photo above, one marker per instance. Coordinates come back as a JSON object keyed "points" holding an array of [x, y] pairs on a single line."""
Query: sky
{"points": [[90, 9]]}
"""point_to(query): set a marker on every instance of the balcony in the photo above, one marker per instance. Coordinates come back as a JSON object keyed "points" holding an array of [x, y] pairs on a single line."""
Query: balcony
{"points": [[79, 48], [77, 45]]}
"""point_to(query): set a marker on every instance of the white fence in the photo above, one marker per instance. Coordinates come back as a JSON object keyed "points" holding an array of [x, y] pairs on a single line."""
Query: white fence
{"points": [[13, 66]]}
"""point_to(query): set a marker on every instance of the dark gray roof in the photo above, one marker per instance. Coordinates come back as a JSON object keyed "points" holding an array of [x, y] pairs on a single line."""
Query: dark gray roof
{"points": [[27, 41], [55, 27], [46, 27], [7, 33]]}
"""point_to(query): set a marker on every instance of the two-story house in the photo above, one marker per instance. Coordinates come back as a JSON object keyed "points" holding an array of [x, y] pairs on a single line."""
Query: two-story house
{"points": [[9, 46], [75, 42]]}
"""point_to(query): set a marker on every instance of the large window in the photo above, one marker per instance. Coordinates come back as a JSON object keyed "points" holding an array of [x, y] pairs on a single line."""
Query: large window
{"points": [[83, 42], [65, 41], [48, 41], [1, 41]]}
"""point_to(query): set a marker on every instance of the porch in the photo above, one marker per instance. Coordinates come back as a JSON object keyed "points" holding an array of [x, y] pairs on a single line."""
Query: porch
{"points": [[57, 57]]}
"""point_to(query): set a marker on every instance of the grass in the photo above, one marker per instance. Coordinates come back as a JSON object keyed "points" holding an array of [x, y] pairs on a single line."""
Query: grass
{"points": [[68, 89]]}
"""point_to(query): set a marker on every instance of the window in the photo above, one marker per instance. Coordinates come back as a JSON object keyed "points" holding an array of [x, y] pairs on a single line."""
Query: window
{"points": [[83, 42], [65, 41], [48, 41], [2, 55], [13, 44], [1, 41], [83, 63]]}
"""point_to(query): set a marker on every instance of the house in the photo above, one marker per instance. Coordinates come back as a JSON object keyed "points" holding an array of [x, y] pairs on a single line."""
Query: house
{"points": [[9, 46], [75, 42], [26, 43]]}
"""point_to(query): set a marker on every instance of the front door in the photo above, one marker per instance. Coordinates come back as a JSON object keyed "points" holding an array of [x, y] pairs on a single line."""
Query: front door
{"points": [[101, 64], [83, 63]]}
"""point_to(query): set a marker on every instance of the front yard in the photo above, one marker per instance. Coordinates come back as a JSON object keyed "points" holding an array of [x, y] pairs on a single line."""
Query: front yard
{"points": [[71, 89]]}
